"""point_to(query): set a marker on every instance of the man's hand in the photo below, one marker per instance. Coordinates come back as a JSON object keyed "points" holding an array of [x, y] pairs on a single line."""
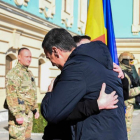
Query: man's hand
{"points": [[36, 115], [20, 120], [50, 87], [107, 101], [117, 68]]}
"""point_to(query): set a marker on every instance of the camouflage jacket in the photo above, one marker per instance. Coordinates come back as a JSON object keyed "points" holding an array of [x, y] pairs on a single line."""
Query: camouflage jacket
{"points": [[132, 91], [20, 90]]}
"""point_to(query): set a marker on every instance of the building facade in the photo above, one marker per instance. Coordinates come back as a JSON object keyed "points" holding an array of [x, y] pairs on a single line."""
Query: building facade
{"points": [[126, 19], [24, 23]]}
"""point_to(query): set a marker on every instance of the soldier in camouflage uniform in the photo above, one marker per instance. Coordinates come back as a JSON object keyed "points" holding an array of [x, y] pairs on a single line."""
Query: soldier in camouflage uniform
{"points": [[21, 97], [126, 60]]}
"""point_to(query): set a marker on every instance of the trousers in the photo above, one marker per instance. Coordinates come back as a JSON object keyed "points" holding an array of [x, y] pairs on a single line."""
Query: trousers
{"points": [[128, 118], [23, 131]]}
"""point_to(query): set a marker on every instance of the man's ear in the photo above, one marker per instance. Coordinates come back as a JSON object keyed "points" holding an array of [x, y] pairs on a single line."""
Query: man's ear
{"points": [[55, 50], [19, 57]]}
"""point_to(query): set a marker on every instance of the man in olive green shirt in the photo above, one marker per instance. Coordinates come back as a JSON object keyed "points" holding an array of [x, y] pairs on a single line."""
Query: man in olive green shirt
{"points": [[21, 97]]}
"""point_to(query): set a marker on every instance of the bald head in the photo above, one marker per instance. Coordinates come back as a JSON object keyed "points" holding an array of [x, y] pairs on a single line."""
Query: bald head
{"points": [[24, 56], [21, 49]]}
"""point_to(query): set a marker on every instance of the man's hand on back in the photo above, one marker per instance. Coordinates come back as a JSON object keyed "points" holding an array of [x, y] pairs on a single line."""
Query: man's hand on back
{"points": [[50, 87], [107, 101], [117, 68]]}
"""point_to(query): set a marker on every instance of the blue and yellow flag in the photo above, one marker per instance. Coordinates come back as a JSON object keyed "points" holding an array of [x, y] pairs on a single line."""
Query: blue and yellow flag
{"points": [[100, 25]]}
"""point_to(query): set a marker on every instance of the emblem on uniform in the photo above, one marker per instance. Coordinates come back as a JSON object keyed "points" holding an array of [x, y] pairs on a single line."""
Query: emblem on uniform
{"points": [[32, 79]]}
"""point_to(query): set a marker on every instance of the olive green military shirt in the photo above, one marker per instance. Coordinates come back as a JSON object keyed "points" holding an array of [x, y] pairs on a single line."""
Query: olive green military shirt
{"points": [[132, 91], [20, 90]]}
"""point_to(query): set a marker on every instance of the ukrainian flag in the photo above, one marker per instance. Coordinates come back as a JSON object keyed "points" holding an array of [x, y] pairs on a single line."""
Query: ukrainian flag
{"points": [[100, 25]]}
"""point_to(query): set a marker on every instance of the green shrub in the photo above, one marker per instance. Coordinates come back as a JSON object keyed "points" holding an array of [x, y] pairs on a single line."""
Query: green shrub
{"points": [[39, 124]]}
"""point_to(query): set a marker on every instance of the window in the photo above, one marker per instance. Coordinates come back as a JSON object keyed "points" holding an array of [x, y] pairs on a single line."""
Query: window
{"points": [[136, 17], [67, 12], [8, 63], [46, 72], [82, 15], [39, 73]]}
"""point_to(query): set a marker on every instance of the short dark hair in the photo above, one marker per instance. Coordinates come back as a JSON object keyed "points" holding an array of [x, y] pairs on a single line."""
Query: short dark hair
{"points": [[59, 38], [21, 49], [78, 38]]}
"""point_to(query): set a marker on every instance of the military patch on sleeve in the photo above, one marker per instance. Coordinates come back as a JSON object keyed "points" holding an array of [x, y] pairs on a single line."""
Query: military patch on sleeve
{"points": [[32, 79]]}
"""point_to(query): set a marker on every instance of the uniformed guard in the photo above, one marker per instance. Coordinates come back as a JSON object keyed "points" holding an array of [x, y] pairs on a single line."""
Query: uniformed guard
{"points": [[126, 63], [21, 97]]}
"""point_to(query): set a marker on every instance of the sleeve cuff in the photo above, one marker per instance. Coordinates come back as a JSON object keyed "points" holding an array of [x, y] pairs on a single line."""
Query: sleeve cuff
{"points": [[94, 105], [34, 111]]}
